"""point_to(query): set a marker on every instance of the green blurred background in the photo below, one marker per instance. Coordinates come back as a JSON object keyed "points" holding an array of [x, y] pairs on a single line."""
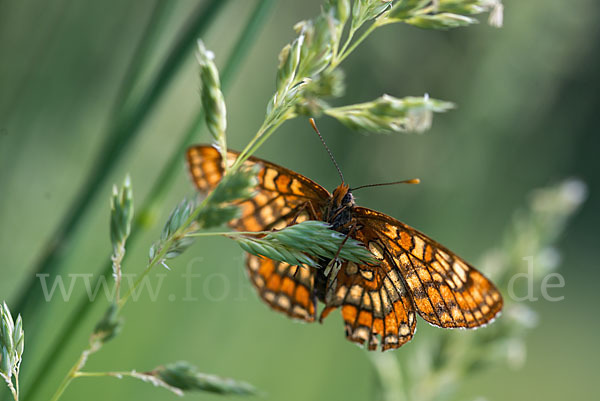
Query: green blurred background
{"points": [[527, 97]]}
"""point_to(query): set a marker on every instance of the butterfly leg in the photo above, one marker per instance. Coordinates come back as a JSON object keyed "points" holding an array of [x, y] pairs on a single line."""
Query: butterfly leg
{"points": [[333, 267], [351, 231], [302, 209]]}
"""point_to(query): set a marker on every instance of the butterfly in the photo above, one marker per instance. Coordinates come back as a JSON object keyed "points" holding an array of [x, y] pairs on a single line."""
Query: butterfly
{"points": [[379, 302]]}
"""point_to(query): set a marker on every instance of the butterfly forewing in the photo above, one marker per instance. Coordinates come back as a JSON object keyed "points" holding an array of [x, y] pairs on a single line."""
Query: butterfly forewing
{"points": [[282, 196]]}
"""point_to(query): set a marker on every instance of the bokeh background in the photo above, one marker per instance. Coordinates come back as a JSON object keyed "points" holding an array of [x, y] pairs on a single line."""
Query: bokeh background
{"points": [[527, 97]]}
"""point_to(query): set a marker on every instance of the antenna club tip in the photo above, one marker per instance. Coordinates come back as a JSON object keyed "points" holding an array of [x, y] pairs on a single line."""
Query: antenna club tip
{"points": [[414, 181], [312, 123]]}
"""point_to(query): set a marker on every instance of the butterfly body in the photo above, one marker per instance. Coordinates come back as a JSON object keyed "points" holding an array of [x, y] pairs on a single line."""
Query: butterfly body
{"points": [[379, 302], [338, 213], [339, 209]]}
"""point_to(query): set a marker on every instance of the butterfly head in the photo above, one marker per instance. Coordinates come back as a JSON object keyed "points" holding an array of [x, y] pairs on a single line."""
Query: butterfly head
{"points": [[342, 197]]}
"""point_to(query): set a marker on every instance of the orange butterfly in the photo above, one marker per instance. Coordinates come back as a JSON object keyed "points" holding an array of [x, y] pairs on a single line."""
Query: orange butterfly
{"points": [[379, 302]]}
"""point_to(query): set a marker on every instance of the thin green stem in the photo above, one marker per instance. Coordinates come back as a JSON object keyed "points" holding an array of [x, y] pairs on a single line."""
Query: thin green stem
{"points": [[104, 374], [344, 47], [117, 260], [244, 154], [160, 256], [265, 136], [11, 386], [261, 136], [348, 49], [63, 386], [227, 233], [158, 192], [79, 364], [17, 386]]}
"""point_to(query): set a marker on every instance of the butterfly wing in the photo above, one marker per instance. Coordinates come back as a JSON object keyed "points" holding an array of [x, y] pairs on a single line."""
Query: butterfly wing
{"points": [[415, 274], [446, 290], [375, 302], [285, 288], [282, 197]]}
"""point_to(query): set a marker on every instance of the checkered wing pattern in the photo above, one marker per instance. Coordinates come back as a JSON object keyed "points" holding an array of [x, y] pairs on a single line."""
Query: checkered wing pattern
{"points": [[285, 288], [376, 304], [446, 290]]}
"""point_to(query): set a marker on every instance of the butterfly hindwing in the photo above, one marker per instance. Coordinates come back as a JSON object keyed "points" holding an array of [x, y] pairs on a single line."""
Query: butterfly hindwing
{"points": [[375, 304], [286, 288]]}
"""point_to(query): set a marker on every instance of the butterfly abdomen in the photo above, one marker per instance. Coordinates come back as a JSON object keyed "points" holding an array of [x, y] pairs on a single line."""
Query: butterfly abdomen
{"points": [[320, 287]]}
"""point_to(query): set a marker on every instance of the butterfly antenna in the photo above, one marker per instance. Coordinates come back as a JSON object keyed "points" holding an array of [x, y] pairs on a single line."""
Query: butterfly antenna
{"points": [[412, 181], [312, 122]]}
